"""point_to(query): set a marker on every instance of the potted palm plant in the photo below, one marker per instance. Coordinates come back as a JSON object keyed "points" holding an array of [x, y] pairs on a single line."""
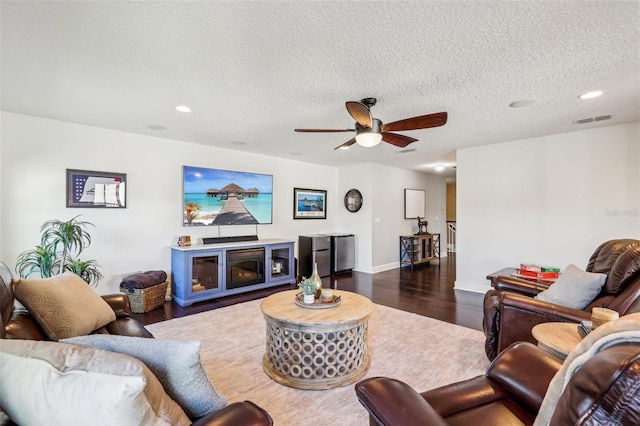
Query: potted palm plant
{"points": [[61, 243]]}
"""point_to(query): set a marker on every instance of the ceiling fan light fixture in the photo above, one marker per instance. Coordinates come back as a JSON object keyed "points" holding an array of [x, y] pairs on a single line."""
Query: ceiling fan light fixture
{"points": [[368, 139]]}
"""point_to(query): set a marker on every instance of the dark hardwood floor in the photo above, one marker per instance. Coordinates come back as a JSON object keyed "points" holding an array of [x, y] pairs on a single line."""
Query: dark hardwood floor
{"points": [[427, 290]]}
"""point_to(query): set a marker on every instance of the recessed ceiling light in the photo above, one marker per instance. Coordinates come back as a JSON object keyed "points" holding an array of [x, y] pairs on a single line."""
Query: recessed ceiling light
{"points": [[238, 143], [183, 108], [439, 167], [591, 95], [522, 103], [156, 127], [405, 151]]}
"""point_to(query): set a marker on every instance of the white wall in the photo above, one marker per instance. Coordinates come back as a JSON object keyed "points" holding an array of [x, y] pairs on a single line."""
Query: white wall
{"points": [[388, 211], [549, 200], [380, 221], [358, 223], [36, 152]]}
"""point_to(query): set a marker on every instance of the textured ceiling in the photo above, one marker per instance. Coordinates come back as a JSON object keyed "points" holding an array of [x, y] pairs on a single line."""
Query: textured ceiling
{"points": [[253, 71]]}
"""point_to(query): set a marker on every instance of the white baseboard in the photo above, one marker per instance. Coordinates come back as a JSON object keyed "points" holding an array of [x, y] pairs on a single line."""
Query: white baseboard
{"points": [[386, 267], [389, 266], [472, 287]]}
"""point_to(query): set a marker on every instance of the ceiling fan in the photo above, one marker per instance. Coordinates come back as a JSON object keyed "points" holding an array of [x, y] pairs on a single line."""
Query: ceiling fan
{"points": [[370, 131]]}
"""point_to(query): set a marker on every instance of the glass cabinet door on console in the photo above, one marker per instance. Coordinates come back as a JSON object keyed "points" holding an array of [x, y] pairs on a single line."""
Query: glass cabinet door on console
{"points": [[196, 275], [205, 273], [280, 263]]}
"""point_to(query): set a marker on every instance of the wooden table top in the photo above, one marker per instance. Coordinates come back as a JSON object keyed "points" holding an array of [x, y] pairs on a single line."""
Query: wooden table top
{"points": [[281, 306], [558, 338]]}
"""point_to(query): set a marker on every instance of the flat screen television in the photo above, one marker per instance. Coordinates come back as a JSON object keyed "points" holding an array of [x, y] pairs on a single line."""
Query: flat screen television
{"points": [[213, 197]]}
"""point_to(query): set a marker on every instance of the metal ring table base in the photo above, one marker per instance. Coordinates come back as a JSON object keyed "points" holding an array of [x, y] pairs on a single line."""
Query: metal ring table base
{"points": [[315, 359]]}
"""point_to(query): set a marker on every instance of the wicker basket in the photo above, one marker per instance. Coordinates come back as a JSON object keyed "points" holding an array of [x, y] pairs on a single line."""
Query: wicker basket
{"points": [[146, 299]]}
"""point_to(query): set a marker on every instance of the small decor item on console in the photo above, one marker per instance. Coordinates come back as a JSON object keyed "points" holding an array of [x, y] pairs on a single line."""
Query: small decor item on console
{"points": [[184, 241], [422, 227]]}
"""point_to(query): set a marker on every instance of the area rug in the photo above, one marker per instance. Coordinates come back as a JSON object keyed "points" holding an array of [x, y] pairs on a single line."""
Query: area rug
{"points": [[423, 352]]}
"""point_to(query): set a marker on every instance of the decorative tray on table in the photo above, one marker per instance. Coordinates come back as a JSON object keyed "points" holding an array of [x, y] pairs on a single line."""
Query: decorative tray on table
{"points": [[317, 304]]}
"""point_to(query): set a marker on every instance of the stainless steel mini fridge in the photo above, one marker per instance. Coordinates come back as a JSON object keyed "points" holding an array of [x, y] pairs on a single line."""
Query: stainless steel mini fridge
{"points": [[314, 248], [343, 253]]}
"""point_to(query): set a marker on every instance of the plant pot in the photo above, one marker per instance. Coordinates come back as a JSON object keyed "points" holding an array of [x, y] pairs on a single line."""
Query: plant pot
{"points": [[308, 299]]}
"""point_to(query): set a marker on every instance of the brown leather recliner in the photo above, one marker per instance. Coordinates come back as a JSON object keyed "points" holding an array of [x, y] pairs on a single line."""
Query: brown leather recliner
{"points": [[19, 324], [604, 390], [510, 310]]}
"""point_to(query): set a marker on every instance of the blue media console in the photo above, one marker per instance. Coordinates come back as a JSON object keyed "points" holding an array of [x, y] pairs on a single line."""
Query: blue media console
{"points": [[204, 272]]}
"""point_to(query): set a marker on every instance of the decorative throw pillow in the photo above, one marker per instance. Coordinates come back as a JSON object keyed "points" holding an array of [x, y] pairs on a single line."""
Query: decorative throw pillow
{"points": [[574, 288], [175, 363], [51, 383], [64, 305]]}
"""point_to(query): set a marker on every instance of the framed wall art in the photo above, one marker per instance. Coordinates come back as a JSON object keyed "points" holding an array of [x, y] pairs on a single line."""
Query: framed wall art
{"points": [[309, 203], [414, 203], [87, 188], [225, 197]]}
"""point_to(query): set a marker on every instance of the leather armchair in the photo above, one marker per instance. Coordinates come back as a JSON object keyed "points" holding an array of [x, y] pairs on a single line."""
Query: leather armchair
{"points": [[510, 310], [512, 390], [19, 324]]}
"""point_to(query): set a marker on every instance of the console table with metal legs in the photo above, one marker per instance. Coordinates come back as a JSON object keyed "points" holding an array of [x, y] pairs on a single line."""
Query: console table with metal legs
{"points": [[419, 249]]}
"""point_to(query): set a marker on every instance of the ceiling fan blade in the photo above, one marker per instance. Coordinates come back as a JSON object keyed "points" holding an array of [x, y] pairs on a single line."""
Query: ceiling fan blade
{"points": [[414, 123], [360, 112], [347, 144], [324, 130], [397, 140]]}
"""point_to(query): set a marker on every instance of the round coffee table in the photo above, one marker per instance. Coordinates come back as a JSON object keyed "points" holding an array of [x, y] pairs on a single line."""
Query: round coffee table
{"points": [[311, 348]]}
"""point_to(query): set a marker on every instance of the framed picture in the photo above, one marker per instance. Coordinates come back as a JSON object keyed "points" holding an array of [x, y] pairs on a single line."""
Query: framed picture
{"points": [[87, 188], [414, 203], [213, 197], [309, 203]]}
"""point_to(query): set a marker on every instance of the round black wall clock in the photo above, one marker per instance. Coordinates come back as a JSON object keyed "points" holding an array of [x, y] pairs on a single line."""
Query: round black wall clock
{"points": [[353, 200]]}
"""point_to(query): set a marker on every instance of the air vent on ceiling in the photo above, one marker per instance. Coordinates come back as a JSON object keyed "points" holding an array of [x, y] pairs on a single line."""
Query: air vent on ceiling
{"points": [[592, 119], [404, 151]]}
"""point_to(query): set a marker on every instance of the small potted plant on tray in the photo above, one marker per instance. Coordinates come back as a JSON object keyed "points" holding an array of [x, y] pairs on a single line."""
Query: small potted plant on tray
{"points": [[308, 288]]}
